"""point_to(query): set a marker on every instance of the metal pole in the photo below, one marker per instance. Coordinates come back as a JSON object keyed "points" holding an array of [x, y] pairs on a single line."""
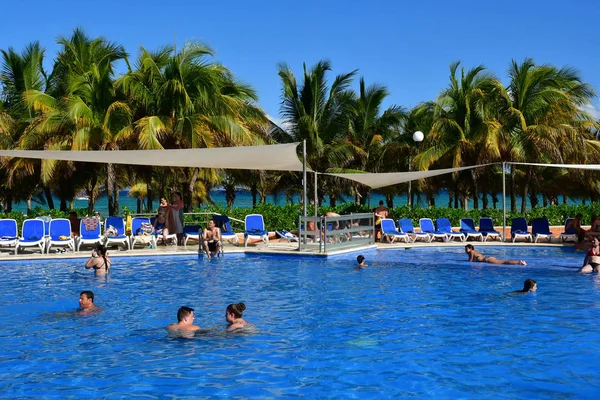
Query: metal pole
{"points": [[316, 195], [504, 200], [304, 198]]}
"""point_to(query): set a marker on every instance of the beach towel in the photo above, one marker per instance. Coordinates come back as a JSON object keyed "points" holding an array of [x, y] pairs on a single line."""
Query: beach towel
{"points": [[128, 223], [90, 223], [146, 228], [110, 231]]}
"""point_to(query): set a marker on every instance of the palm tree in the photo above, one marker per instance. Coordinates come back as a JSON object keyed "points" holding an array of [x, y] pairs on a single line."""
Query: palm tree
{"points": [[543, 121], [319, 114], [463, 133]]}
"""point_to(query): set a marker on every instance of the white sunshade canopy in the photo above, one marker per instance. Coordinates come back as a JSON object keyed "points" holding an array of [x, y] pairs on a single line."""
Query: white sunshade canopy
{"points": [[277, 157], [573, 166], [378, 180]]}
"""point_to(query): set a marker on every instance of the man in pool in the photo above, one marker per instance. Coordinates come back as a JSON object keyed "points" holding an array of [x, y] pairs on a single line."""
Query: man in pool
{"points": [[475, 256], [86, 301], [591, 262], [361, 262], [185, 321]]}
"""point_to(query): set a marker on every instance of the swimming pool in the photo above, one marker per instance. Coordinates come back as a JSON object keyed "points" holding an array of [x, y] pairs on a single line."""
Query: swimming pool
{"points": [[419, 322]]}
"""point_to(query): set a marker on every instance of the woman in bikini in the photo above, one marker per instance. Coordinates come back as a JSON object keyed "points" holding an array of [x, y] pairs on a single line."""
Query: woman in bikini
{"points": [[475, 256], [591, 262], [233, 315], [99, 261]]}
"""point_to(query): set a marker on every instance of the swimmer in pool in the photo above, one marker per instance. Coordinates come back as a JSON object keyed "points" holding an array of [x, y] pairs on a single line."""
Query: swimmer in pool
{"points": [[233, 315], [529, 286], [86, 302], [99, 261], [591, 262], [475, 256], [361, 262], [185, 321]]}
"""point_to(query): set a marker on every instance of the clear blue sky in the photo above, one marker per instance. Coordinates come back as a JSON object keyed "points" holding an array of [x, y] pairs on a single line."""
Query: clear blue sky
{"points": [[405, 45]]}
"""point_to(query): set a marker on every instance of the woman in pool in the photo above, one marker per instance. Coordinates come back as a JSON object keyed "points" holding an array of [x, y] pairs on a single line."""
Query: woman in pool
{"points": [[360, 260], [529, 286], [475, 256], [233, 315], [99, 261], [591, 262]]}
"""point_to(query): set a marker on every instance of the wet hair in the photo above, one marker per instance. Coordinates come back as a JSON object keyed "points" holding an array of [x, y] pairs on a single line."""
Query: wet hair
{"points": [[360, 259], [528, 285], [236, 309], [101, 250], [380, 202], [183, 312], [470, 247], [89, 294]]}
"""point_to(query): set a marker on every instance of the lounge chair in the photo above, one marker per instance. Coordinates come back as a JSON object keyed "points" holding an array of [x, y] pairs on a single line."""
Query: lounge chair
{"points": [[486, 227], [407, 227], [390, 232], [32, 234], [467, 228], [541, 229], [46, 219], [519, 230], [89, 232], [426, 225], [159, 236], [255, 229], [60, 234], [8, 233], [223, 223], [568, 234], [192, 232], [286, 235], [444, 225], [120, 237], [138, 235]]}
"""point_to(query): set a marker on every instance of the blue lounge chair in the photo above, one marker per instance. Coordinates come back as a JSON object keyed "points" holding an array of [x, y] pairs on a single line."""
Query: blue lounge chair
{"points": [[32, 235], [8, 233], [568, 234], [255, 229], [60, 234], [519, 230], [541, 230], [407, 227], [486, 227], [444, 225], [286, 235], [467, 228], [120, 237], [46, 219], [390, 233], [191, 232], [138, 235], [223, 222], [92, 236], [426, 225]]}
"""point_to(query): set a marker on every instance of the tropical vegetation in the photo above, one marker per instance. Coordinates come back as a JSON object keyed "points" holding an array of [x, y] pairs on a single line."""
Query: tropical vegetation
{"points": [[171, 98]]}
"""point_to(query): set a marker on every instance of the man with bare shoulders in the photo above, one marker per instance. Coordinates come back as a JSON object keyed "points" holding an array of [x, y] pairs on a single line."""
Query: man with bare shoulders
{"points": [[380, 212], [86, 302], [212, 239], [185, 321]]}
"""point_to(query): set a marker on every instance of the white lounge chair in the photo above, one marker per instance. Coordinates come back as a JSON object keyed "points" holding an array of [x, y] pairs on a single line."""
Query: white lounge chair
{"points": [[60, 234], [255, 229]]}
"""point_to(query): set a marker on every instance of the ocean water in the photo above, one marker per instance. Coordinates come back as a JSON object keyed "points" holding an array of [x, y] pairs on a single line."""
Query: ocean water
{"points": [[244, 200], [422, 323]]}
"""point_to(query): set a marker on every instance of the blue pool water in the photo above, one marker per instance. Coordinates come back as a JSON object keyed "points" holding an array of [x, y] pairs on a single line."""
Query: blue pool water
{"points": [[420, 322]]}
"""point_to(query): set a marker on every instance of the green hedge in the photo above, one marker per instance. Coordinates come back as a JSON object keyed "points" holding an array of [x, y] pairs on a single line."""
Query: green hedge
{"points": [[286, 217]]}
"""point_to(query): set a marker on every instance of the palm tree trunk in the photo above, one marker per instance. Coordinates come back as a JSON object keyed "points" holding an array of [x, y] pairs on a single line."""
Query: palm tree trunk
{"points": [[513, 193], [389, 199], [564, 199], [91, 194], [484, 197], [525, 189], [139, 206], [449, 199], [49, 199], [533, 198], [63, 203], [8, 201], [110, 178], [29, 204], [149, 190], [332, 200], [475, 191], [254, 193], [188, 194]]}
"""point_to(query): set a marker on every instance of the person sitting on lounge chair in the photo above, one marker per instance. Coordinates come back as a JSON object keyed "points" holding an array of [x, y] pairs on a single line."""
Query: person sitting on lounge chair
{"points": [[475, 256], [380, 213], [212, 239], [574, 226]]}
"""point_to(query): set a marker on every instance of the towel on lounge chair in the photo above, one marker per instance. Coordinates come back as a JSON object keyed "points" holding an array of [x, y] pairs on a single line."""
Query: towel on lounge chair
{"points": [[110, 231], [255, 232], [90, 223]]}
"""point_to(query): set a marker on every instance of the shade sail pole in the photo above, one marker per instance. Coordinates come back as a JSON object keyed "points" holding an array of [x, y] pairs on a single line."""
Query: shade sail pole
{"points": [[504, 200], [304, 197], [316, 195]]}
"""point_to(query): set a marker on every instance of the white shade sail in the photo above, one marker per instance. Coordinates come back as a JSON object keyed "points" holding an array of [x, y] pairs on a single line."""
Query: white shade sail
{"points": [[277, 157], [378, 180], [574, 166]]}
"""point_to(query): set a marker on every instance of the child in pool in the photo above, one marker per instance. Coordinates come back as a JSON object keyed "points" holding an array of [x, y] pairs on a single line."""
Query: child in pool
{"points": [[233, 315]]}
